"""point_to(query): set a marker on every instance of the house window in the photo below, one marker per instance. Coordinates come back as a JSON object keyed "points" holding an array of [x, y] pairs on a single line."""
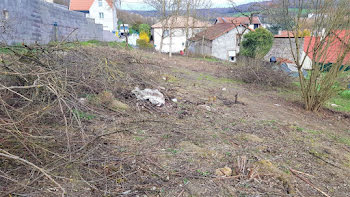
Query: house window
{"points": [[256, 26], [6, 14], [166, 33], [99, 3], [101, 15]]}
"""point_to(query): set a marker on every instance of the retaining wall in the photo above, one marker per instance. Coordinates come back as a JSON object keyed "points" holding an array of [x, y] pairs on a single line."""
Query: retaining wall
{"points": [[31, 21]]}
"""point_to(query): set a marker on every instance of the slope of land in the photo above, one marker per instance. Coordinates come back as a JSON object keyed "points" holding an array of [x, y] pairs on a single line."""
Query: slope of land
{"points": [[274, 147]]}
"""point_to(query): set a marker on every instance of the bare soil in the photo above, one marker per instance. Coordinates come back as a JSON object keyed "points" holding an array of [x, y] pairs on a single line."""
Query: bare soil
{"points": [[273, 145]]}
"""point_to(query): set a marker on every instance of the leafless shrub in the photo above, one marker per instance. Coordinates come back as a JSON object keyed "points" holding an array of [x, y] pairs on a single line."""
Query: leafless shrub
{"points": [[44, 123], [261, 73]]}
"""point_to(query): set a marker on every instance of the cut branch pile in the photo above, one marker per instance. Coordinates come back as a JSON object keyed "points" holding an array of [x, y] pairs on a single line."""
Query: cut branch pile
{"points": [[48, 97]]}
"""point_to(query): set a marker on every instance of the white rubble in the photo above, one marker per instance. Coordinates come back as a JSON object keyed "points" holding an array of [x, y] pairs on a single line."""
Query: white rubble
{"points": [[153, 96]]}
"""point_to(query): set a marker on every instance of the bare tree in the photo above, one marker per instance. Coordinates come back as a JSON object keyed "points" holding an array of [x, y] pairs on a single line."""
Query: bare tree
{"points": [[162, 7], [253, 10], [191, 7], [175, 7], [329, 28]]}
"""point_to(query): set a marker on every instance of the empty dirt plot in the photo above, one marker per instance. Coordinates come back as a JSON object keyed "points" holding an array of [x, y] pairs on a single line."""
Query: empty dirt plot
{"points": [[121, 146]]}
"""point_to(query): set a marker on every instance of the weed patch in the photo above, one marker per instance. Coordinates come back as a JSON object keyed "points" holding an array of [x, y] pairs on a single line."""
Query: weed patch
{"points": [[83, 115]]}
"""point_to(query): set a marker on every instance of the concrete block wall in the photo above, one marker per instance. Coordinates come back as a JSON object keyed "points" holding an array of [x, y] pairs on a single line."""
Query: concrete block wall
{"points": [[281, 49], [31, 21]]}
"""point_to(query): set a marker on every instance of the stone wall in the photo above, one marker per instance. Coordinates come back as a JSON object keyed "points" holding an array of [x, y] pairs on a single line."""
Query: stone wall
{"points": [[31, 21], [281, 49]]}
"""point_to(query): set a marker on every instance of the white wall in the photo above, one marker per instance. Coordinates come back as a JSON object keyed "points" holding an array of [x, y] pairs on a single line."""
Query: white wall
{"points": [[251, 26], [307, 62], [107, 21], [227, 42], [178, 39]]}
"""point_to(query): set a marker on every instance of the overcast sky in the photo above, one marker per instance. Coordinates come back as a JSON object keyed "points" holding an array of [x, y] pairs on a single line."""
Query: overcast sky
{"points": [[139, 5]]}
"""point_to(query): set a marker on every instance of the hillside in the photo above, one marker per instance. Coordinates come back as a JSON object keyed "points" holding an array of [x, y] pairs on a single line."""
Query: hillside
{"points": [[71, 122], [213, 12]]}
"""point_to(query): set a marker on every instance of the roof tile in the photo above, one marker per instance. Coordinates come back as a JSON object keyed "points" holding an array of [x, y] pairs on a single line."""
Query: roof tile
{"points": [[84, 5], [239, 20], [339, 41], [214, 31]]}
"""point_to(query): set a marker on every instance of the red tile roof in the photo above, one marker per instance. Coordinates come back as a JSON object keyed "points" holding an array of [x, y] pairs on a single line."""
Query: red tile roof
{"points": [[84, 5], [215, 31], [339, 43], [238, 20]]}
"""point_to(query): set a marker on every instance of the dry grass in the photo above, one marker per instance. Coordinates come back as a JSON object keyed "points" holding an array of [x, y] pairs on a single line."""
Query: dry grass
{"points": [[68, 122]]}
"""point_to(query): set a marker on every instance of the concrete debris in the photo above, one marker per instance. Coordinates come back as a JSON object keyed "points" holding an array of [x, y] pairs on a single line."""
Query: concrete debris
{"points": [[153, 96], [126, 192], [334, 105], [82, 101]]}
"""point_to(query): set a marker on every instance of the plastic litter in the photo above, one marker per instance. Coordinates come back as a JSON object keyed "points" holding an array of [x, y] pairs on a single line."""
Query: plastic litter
{"points": [[153, 96]]}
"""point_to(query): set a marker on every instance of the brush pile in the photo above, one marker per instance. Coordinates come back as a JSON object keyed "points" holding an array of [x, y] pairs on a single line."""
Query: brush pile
{"points": [[49, 96]]}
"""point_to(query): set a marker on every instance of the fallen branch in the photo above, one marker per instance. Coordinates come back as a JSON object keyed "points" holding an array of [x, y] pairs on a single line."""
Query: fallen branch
{"points": [[3, 153], [308, 182], [21, 87], [180, 194]]}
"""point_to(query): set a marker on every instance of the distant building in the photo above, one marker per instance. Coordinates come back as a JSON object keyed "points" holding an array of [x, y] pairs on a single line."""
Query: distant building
{"points": [[252, 23], [221, 40], [103, 11], [281, 47], [176, 26], [333, 48]]}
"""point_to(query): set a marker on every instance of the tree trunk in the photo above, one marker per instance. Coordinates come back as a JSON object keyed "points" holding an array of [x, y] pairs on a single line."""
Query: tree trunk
{"points": [[170, 42], [161, 40], [187, 24], [126, 37], [203, 46]]}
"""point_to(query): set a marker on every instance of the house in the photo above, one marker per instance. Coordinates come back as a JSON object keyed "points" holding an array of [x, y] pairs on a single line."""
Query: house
{"points": [[103, 11], [176, 26], [221, 40], [335, 45], [281, 47], [251, 22]]}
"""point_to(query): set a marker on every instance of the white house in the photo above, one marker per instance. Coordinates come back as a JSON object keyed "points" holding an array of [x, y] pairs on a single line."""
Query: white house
{"points": [[176, 26], [103, 11], [222, 41]]}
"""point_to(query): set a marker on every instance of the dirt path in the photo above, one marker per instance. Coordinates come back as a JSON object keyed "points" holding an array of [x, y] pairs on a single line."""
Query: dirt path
{"points": [[274, 134]]}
